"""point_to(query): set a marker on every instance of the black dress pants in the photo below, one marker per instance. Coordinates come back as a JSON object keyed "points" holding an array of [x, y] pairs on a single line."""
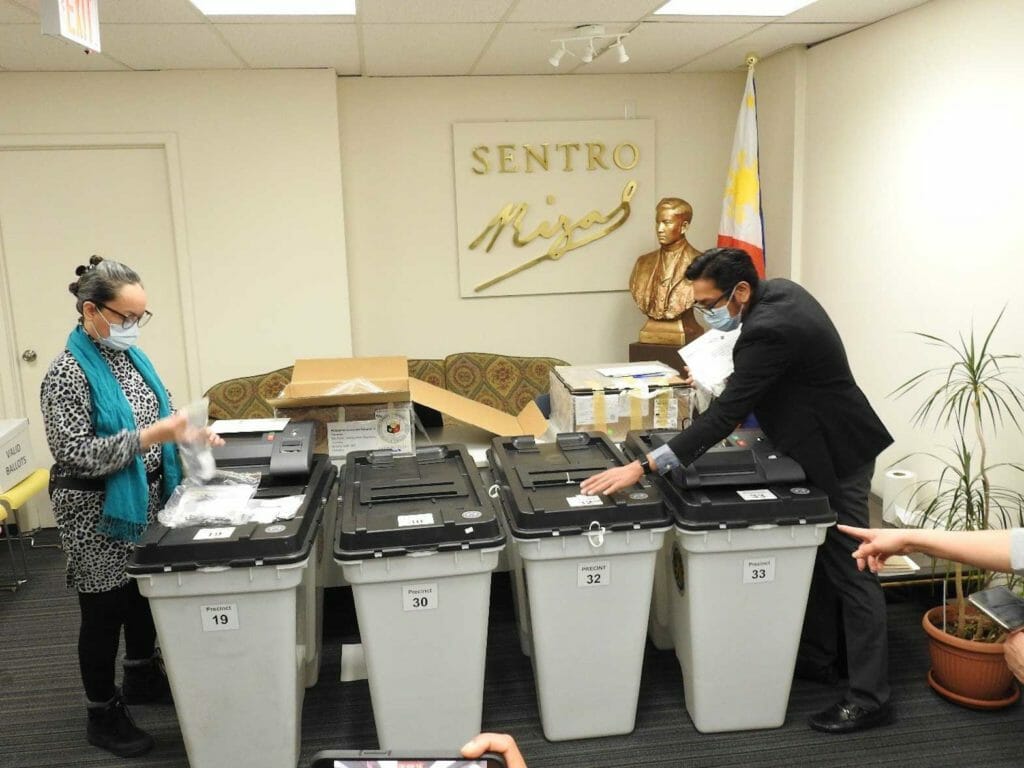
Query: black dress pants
{"points": [[843, 597], [103, 616]]}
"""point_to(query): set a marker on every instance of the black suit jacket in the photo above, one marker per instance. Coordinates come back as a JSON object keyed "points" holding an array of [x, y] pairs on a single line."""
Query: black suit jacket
{"points": [[791, 371]]}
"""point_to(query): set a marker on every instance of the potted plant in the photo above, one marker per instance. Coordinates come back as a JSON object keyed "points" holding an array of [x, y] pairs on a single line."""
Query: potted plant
{"points": [[973, 396]]}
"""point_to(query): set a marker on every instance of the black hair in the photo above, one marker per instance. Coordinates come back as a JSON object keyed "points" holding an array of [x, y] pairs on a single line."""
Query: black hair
{"points": [[725, 267], [100, 281]]}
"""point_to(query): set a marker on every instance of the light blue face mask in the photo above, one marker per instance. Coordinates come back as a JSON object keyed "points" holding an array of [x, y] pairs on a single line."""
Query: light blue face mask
{"points": [[719, 318], [120, 338]]}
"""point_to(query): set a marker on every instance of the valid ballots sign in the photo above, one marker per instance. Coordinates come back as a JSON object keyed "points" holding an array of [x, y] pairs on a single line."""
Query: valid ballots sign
{"points": [[75, 20]]}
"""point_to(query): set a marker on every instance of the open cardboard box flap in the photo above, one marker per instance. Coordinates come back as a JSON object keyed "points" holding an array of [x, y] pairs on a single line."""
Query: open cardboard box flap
{"points": [[315, 381], [529, 421]]}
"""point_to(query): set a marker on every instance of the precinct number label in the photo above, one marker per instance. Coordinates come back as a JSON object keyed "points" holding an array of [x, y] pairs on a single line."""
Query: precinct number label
{"points": [[594, 573], [419, 597], [759, 570], [220, 617]]}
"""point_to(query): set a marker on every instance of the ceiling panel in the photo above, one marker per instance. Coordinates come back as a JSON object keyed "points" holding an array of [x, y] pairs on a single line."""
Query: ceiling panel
{"points": [[23, 48], [431, 11], [763, 43], [149, 12], [664, 46], [168, 46], [289, 45], [573, 12], [398, 50], [11, 13], [863, 11]]}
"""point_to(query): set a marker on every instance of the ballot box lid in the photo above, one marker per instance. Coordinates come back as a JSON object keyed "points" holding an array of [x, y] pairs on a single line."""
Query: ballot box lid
{"points": [[191, 547], [434, 500], [540, 487]]}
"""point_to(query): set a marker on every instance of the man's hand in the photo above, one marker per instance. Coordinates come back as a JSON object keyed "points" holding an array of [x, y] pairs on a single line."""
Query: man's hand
{"points": [[501, 743], [612, 480]]}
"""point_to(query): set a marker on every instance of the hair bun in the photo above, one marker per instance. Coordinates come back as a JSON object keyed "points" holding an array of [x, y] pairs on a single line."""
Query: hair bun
{"points": [[73, 288], [80, 270], [94, 260]]}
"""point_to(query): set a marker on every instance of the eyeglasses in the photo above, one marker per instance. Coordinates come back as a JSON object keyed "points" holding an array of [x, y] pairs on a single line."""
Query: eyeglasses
{"points": [[707, 309], [127, 321]]}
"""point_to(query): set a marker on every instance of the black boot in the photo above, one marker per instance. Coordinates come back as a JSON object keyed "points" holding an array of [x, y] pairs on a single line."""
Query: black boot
{"points": [[111, 728], [145, 682]]}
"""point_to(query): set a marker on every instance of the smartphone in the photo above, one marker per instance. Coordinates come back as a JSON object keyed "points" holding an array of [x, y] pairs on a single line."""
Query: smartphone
{"points": [[1001, 605], [370, 758]]}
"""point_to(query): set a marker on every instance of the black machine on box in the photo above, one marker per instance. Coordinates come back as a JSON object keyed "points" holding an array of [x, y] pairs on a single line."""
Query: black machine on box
{"points": [[432, 500], [743, 481], [540, 485], [283, 458], [287, 467]]}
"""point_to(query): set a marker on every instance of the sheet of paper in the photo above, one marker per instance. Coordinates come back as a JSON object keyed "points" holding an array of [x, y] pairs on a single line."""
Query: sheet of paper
{"points": [[709, 359], [636, 369], [236, 426]]}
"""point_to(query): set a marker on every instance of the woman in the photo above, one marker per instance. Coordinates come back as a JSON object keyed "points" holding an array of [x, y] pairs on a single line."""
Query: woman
{"points": [[112, 434]]}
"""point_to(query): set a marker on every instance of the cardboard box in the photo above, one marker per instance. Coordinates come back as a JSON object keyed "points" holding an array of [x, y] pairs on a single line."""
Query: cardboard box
{"points": [[320, 386], [584, 399], [16, 462]]}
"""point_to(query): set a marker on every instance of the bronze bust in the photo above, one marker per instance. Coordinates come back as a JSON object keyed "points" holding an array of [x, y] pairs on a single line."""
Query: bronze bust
{"points": [[657, 282]]}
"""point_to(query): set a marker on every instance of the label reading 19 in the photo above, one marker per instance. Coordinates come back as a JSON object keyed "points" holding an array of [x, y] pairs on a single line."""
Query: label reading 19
{"points": [[594, 573], [759, 571], [217, 618], [419, 597]]}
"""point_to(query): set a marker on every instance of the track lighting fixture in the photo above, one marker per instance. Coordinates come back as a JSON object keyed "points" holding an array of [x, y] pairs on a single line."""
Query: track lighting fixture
{"points": [[590, 35]]}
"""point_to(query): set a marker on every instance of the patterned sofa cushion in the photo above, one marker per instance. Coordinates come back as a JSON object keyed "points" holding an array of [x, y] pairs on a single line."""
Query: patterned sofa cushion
{"points": [[501, 381], [246, 397]]}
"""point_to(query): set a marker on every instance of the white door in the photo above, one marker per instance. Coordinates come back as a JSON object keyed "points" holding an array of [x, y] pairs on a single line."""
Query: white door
{"points": [[59, 206]]}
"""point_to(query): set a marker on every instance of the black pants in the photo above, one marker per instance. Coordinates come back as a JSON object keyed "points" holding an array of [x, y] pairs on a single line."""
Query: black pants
{"points": [[843, 597], [103, 616]]}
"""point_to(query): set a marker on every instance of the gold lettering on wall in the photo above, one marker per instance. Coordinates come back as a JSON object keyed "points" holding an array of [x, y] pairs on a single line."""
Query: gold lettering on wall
{"points": [[617, 156], [536, 156], [507, 158], [531, 154], [561, 232], [594, 151], [478, 155]]}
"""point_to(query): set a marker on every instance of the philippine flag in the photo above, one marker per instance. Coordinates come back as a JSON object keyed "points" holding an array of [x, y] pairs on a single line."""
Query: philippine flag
{"points": [[742, 225]]}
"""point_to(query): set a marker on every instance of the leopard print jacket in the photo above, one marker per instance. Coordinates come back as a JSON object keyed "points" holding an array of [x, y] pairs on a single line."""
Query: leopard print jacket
{"points": [[96, 563]]}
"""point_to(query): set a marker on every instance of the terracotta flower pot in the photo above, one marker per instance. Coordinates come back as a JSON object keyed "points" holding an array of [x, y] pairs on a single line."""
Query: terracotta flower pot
{"points": [[967, 672]]}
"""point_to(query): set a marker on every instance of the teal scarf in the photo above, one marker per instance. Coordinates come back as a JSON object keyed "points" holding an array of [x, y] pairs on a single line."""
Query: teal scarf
{"points": [[125, 509]]}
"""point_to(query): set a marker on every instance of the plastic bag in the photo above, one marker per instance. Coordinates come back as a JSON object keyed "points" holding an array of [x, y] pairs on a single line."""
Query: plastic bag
{"points": [[223, 499], [195, 452], [353, 387]]}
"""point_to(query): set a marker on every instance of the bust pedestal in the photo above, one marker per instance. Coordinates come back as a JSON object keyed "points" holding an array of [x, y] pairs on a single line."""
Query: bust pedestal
{"points": [[661, 339]]}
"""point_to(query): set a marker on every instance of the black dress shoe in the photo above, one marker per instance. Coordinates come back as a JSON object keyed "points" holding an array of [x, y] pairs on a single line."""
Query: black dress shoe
{"points": [[846, 717]]}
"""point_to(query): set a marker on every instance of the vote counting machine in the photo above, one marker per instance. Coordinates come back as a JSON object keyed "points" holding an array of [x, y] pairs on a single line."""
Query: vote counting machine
{"points": [[707, 551]]}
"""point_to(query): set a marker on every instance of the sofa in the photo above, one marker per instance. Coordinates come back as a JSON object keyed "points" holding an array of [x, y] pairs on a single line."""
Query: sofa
{"points": [[504, 382]]}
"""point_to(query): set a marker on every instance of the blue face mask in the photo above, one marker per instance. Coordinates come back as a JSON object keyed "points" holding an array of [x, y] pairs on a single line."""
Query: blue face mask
{"points": [[120, 338], [719, 318]]}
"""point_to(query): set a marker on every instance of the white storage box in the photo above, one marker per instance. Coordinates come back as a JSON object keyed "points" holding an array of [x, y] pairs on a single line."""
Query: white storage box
{"points": [[586, 398]]}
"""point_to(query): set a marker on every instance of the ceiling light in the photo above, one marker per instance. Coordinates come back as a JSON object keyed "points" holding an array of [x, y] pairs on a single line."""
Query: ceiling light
{"points": [[556, 57], [589, 35], [732, 7], [620, 52], [276, 7]]}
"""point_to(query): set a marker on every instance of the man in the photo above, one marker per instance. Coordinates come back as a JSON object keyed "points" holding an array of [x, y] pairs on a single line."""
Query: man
{"points": [[658, 283], [791, 371]]}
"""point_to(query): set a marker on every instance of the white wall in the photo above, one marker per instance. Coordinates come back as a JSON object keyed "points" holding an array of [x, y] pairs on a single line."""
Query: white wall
{"points": [[261, 180], [396, 149], [913, 192]]}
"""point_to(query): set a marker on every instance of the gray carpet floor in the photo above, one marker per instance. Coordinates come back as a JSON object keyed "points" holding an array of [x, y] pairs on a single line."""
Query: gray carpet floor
{"points": [[42, 712]]}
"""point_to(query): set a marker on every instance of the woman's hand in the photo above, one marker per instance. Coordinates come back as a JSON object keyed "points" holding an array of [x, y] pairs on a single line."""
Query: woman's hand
{"points": [[176, 429]]}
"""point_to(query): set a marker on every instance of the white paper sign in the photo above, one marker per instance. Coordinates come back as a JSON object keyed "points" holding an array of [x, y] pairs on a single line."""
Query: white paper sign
{"points": [[666, 411], [405, 521], [419, 597], [208, 534], [594, 573], [759, 571], [584, 501], [584, 405], [217, 618], [756, 494]]}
